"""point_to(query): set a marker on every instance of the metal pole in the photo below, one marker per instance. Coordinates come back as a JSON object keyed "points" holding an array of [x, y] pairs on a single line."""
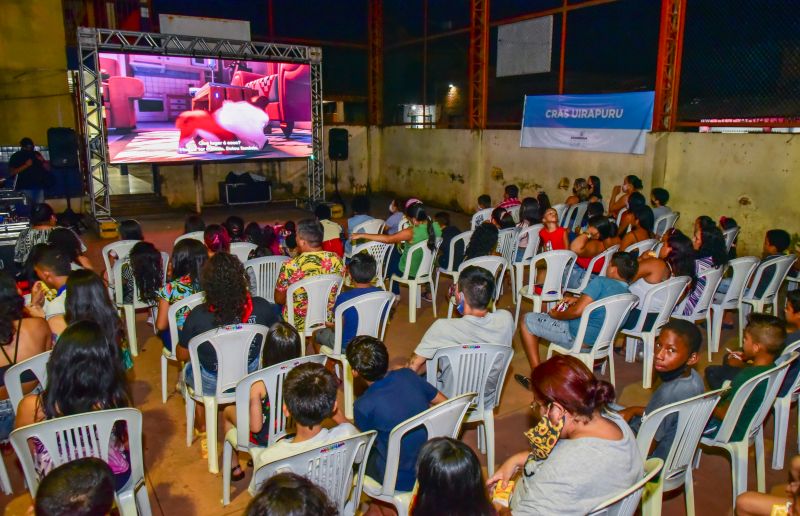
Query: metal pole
{"points": [[563, 48]]}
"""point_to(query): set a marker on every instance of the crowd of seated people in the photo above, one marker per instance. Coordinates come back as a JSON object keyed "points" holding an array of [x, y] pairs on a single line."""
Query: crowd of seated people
{"points": [[70, 311]]}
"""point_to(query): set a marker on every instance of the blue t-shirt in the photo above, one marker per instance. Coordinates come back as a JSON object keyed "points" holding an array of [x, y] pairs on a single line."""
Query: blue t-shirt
{"points": [[351, 315], [599, 287], [399, 395]]}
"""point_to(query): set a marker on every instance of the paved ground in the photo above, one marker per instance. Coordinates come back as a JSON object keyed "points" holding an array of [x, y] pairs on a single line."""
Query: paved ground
{"points": [[177, 477]]}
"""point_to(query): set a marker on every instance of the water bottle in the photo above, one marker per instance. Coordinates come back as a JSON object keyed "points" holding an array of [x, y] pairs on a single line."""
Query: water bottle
{"points": [[548, 246]]}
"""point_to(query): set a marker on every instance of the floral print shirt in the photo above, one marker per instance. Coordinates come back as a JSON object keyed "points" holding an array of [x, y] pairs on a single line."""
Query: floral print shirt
{"points": [[304, 266], [175, 291]]}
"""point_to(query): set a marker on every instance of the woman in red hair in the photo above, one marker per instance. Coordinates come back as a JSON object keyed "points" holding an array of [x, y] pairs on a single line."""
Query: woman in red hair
{"points": [[581, 454]]}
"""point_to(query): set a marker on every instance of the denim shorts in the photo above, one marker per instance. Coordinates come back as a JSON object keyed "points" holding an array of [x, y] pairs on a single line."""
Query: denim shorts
{"points": [[6, 419], [552, 330], [209, 378]]}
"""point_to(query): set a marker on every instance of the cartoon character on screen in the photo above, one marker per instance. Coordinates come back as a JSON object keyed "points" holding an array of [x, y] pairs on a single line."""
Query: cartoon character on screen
{"points": [[233, 121]]}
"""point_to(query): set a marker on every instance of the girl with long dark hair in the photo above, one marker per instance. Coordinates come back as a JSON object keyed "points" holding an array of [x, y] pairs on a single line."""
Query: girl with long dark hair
{"points": [[66, 240], [483, 241], [620, 193], [20, 338], [82, 376], [145, 269], [641, 226], [528, 216], [597, 189], [188, 258], [450, 481], [709, 244]]}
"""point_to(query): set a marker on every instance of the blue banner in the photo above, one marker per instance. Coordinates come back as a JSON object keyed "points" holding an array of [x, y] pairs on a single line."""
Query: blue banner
{"points": [[616, 122]]}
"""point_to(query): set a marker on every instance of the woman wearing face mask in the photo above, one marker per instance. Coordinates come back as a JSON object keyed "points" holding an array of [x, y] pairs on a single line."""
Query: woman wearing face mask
{"points": [[393, 222], [619, 195], [580, 455]]}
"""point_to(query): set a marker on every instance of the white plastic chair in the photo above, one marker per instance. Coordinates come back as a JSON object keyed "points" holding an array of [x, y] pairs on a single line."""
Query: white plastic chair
{"points": [[238, 438], [642, 246], [373, 315], [742, 269], [496, 265], [574, 216], [231, 345], [121, 248], [616, 310], [194, 235], [318, 290], [782, 406], [380, 252], [242, 250], [370, 227], [424, 275], [692, 416], [514, 212], [587, 277], [626, 503], [442, 420], [620, 213], [666, 294], [730, 235], [129, 309], [754, 434], [780, 266], [13, 378], [471, 368], [60, 437], [480, 217], [189, 302], [506, 246], [329, 466], [665, 222], [265, 272], [451, 269], [532, 232], [559, 267], [702, 309], [561, 210], [5, 482]]}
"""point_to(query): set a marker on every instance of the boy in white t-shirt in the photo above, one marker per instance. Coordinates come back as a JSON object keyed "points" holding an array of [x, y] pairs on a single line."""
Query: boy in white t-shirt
{"points": [[309, 396]]}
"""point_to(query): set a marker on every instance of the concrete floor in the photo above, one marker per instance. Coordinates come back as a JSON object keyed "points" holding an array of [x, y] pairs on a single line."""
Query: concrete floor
{"points": [[177, 477]]}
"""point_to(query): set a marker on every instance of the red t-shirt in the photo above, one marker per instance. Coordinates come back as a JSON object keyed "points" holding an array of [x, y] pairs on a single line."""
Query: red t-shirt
{"points": [[555, 237]]}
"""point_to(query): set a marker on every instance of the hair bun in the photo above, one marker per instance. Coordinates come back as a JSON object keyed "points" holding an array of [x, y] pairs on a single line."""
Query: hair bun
{"points": [[602, 393]]}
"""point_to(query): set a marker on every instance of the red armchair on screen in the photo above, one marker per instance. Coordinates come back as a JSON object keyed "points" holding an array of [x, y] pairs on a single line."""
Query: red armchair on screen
{"points": [[119, 93]]}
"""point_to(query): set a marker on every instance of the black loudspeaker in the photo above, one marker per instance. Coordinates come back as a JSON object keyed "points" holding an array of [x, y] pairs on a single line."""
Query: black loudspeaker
{"points": [[337, 144], [63, 145]]}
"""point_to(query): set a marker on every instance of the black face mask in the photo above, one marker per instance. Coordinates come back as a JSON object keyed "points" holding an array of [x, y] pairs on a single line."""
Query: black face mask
{"points": [[668, 376]]}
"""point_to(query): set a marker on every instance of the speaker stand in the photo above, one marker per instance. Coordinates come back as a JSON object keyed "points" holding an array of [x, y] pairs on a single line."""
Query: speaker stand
{"points": [[337, 197]]}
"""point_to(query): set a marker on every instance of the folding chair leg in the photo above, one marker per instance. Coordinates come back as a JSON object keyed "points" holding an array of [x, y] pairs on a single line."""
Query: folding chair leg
{"points": [[433, 297], [516, 313], [611, 374], [715, 334], [648, 348], [126, 503], [163, 379], [412, 302], [210, 404], [130, 325], [688, 486], [631, 345], [739, 468], [652, 496], [761, 476], [227, 454], [537, 304], [189, 419], [781, 435], [5, 483], [143, 501], [488, 424]]}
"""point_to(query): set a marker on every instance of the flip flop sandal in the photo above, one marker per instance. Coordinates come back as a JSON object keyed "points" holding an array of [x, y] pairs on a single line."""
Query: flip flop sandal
{"points": [[237, 476]]}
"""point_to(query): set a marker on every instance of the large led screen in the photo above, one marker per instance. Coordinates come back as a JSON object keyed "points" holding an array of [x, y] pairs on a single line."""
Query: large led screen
{"points": [[172, 109]]}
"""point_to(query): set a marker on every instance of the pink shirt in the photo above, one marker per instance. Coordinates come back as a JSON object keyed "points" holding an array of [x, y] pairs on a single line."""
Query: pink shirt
{"points": [[509, 203]]}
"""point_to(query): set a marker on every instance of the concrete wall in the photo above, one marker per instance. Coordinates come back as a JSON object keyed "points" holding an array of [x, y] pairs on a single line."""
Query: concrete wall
{"points": [[33, 64]]}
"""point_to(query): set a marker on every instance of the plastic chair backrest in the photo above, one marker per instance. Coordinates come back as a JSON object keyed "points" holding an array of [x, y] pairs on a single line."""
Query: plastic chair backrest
{"points": [[329, 466], [231, 345], [442, 420], [194, 235], [642, 246], [273, 377], [265, 272], [122, 249], [606, 257], [773, 379], [370, 227], [665, 222], [427, 262], [619, 215], [625, 503], [242, 250], [794, 388], [667, 294], [743, 269], [561, 210], [470, 367], [13, 378], [460, 239], [574, 216], [506, 243], [780, 266], [75, 437], [692, 415], [514, 212], [190, 302], [377, 250], [373, 315], [616, 309], [713, 277], [730, 235], [532, 248], [480, 217], [318, 290], [119, 294], [558, 262]]}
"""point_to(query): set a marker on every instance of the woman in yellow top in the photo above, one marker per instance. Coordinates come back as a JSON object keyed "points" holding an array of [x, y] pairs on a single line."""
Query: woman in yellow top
{"points": [[422, 228]]}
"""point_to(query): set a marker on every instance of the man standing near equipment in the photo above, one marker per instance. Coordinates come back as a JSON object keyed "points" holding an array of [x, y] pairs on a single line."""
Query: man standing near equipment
{"points": [[31, 170]]}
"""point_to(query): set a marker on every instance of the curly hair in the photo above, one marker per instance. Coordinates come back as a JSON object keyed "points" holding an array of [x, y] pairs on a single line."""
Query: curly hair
{"points": [[11, 307], [148, 271], [482, 242], [226, 286]]}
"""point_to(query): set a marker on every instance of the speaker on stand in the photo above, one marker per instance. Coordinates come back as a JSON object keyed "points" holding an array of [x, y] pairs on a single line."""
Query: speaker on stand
{"points": [[337, 151], [62, 142]]}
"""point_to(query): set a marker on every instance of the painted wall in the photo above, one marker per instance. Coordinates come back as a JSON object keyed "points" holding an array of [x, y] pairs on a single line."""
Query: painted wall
{"points": [[33, 93]]}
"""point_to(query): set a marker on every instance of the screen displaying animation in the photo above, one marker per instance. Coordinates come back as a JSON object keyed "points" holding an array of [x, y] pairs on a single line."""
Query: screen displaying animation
{"points": [[171, 109]]}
